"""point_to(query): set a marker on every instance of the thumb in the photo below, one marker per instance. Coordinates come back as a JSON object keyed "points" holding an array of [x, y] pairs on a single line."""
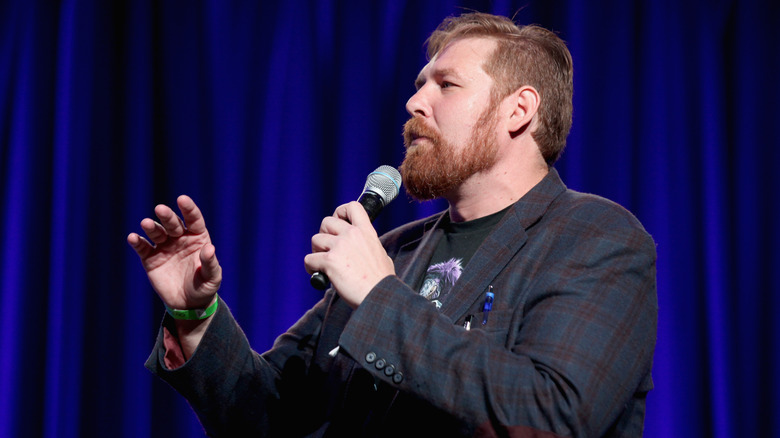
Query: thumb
{"points": [[210, 269]]}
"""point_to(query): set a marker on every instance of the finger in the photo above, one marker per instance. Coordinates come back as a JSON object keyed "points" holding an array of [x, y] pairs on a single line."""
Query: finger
{"points": [[210, 268], [191, 214], [356, 214], [333, 225], [141, 246], [169, 220], [341, 211], [314, 263], [154, 231], [321, 242]]}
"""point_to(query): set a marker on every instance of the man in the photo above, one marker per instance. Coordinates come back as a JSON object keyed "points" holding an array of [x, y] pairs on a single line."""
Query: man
{"points": [[525, 309]]}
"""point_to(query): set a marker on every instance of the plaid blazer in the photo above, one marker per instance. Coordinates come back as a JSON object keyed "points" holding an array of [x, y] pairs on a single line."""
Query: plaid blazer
{"points": [[566, 351]]}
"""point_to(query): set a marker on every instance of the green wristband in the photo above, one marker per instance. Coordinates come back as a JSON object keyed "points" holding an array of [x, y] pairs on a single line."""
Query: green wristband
{"points": [[193, 314]]}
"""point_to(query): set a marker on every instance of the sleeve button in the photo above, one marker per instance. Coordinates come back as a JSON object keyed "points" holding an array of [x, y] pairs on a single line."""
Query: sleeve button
{"points": [[380, 364], [398, 377], [370, 357]]}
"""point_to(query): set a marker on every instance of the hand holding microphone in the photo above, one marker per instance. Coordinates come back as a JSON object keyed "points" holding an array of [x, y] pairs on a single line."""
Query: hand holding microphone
{"points": [[382, 186]]}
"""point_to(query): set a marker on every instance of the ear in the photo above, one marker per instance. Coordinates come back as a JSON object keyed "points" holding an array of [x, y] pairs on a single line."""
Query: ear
{"points": [[524, 106]]}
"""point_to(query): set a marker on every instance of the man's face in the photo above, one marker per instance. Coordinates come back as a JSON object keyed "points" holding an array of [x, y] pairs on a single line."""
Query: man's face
{"points": [[452, 132]]}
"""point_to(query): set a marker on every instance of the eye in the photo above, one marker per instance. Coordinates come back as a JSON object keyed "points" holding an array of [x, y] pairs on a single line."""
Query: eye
{"points": [[445, 84]]}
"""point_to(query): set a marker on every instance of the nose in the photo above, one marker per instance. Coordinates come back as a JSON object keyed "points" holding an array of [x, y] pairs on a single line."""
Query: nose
{"points": [[417, 105]]}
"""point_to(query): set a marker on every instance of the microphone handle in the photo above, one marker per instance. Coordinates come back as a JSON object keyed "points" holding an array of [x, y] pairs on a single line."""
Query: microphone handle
{"points": [[319, 280], [373, 205]]}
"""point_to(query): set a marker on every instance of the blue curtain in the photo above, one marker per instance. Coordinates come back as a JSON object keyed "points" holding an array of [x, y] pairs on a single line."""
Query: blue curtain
{"points": [[270, 114]]}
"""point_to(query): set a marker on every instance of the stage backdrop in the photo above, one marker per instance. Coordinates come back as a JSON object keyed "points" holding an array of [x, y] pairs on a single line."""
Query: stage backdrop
{"points": [[271, 113]]}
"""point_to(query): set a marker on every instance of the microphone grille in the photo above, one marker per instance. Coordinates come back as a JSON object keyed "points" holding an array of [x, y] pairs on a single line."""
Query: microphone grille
{"points": [[385, 181]]}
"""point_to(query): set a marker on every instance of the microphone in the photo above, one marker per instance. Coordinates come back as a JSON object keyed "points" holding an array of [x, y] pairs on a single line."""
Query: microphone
{"points": [[382, 186]]}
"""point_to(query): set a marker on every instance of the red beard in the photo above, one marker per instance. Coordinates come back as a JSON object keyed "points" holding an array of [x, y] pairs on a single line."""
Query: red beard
{"points": [[434, 168]]}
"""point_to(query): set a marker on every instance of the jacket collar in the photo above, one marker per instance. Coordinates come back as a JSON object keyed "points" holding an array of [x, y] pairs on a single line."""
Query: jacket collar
{"points": [[501, 245], [412, 259], [508, 237]]}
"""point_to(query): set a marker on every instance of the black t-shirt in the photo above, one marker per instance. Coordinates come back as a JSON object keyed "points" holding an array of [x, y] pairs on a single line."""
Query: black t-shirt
{"points": [[459, 243]]}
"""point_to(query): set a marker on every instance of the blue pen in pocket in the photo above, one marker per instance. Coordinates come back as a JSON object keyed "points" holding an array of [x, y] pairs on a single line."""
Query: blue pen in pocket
{"points": [[488, 304]]}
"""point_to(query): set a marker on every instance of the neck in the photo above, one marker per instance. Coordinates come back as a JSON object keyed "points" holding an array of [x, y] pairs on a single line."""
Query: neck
{"points": [[493, 190]]}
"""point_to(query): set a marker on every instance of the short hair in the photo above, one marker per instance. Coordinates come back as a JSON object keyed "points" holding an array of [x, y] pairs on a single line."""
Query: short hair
{"points": [[524, 55]]}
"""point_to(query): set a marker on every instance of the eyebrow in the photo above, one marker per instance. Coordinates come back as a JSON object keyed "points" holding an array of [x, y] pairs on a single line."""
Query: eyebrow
{"points": [[439, 73]]}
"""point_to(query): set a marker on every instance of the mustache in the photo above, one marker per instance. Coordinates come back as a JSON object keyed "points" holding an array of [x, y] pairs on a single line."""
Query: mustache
{"points": [[415, 128]]}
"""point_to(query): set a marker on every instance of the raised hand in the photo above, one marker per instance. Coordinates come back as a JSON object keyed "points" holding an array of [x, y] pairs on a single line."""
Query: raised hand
{"points": [[178, 256]]}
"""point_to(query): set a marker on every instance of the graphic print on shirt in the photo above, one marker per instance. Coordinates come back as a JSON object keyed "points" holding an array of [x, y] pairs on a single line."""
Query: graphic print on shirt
{"points": [[439, 279]]}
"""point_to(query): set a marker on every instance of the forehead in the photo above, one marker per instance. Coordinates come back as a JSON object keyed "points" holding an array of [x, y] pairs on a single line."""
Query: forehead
{"points": [[463, 57]]}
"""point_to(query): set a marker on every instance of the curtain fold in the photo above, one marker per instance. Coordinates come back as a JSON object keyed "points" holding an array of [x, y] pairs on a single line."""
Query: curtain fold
{"points": [[270, 114]]}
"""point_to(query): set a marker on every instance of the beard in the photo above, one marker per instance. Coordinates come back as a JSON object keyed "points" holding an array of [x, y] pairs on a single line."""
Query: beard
{"points": [[433, 169]]}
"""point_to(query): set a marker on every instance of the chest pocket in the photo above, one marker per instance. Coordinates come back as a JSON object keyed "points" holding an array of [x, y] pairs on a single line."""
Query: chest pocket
{"points": [[498, 328]]}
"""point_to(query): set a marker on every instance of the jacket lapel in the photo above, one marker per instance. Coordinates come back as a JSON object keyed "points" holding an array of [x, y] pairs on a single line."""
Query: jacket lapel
{"points": [[412, 259], [500, 246]]}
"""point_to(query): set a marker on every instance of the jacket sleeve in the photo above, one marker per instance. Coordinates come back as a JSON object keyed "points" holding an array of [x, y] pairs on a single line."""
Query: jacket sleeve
{"points": [[233, 390], [570, 355]]}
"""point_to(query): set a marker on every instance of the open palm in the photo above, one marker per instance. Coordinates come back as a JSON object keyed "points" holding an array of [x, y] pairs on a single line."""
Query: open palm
{"points": [[180, 260]]}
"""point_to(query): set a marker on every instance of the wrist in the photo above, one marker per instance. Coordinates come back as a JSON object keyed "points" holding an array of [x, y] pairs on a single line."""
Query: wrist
{"points": [[194, 314]]}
